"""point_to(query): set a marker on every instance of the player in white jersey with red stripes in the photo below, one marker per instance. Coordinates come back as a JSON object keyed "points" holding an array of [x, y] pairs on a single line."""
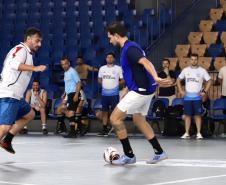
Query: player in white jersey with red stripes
{"points": [[18, 66]]}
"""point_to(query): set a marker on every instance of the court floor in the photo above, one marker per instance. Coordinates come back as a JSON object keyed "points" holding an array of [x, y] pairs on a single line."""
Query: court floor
{"points": [[53, 160]]}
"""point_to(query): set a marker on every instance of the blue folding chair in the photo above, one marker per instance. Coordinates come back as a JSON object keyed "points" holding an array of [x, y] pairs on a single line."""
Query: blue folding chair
{"points": [[217, 115], [151, 116]]}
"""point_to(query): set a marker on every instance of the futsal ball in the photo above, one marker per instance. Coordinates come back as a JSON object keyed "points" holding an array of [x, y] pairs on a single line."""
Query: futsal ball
{"points": [[111, 154]]}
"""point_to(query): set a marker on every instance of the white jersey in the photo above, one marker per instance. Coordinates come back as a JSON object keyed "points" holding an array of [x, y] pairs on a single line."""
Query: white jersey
{"points": [[222, 75], [110, 76], [194, 79], [13, 83], [34, 100]]}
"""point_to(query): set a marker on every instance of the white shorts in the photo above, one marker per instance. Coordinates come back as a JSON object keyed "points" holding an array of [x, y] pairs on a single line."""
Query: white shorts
{"points": [[133, 103]]}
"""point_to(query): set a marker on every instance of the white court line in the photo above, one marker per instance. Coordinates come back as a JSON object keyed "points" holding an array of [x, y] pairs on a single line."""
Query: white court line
{"points": [[187, 163], [35, 143], [188, 180], [48, 162], [14, 183], [27, 143], [167, 163], [73, 144]]}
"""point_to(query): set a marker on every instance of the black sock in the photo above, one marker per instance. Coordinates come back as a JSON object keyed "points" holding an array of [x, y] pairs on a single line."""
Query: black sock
{"points": [[61, 119], [8, 138], [156, 146], [127, 148], [105, 127], [72, 128]]}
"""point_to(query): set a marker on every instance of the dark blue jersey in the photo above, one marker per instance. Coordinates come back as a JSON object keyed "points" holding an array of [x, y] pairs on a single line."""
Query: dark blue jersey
{"points": [[135, 75]]}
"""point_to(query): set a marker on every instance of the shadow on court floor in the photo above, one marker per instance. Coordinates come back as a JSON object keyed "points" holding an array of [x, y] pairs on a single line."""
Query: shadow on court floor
{"points": [[53, 160]]}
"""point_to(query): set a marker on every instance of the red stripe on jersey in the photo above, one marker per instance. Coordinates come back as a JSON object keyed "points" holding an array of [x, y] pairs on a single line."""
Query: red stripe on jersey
{"points": [[17, 49]]}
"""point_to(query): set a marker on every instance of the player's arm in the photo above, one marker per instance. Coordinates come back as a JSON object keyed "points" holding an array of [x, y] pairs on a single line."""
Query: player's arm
{"points": [[18, 58], [100, 76], [26, 67], [121, 83], [28, 96], [208, 83], [121, 80], [78, 85], [151, 69], [100, 81], [43, 100], [91, 68], [180, 89], [179, 79], [171, 80], [77, 91]]}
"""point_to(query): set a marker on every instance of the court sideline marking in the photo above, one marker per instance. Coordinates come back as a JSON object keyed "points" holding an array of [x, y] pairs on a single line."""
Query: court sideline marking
{"points": [[188, 180], [14, 183], [167, 163]]}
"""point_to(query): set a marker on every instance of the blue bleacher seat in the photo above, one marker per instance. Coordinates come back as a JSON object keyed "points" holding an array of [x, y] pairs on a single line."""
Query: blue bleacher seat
{"points": [[215, 50], [57, 55], [72, 52], [22, 7], [220, 26]]}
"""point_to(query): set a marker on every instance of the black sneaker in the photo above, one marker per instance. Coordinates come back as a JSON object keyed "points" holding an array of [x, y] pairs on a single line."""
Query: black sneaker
{"points": [[82, 130], [7, 146], [103, 133], [61, 127], [70, 135], [23, 131], [44, 131]]}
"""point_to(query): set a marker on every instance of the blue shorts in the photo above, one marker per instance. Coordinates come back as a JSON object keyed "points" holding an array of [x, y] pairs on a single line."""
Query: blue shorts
{"points": [[193, 107], [12, 109], [109, 102]]}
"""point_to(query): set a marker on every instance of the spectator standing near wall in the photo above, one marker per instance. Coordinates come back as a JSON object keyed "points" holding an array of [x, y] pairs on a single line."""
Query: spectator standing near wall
{"points": [[110, 77], [167, 91], [194, 75], [83, 69]]}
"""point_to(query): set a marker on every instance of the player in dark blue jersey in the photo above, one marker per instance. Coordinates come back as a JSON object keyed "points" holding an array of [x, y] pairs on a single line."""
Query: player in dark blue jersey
{"points": [[141, 81]]}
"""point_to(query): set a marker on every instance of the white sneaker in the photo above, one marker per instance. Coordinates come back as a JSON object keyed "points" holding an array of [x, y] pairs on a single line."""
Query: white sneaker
{"points": [[223, 135], [185, 136], [199, 136]]}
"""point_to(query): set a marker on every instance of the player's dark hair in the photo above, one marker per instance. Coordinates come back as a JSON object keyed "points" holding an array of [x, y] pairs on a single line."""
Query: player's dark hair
{"points": [[65, 58], [194, 55], [36, 80], [166, 59], [117, 27], [32, 31], [111, 53]]}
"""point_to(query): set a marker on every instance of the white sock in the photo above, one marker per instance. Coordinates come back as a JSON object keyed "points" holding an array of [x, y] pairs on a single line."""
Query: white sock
{"points": [[43, 125]]}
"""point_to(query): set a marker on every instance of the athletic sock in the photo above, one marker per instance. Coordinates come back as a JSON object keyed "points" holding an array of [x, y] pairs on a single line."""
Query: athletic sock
{"points": [[105, 127], [61, 119], [8, 138], [156, 146], [127, 148], [43, 125]]}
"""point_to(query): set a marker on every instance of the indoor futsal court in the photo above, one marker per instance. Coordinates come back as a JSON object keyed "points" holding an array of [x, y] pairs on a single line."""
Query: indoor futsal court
{"points": [[52, 160], [79, 35]]}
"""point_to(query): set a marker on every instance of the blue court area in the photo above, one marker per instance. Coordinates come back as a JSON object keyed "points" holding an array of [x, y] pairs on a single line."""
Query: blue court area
{"points": [[53, 160]]}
